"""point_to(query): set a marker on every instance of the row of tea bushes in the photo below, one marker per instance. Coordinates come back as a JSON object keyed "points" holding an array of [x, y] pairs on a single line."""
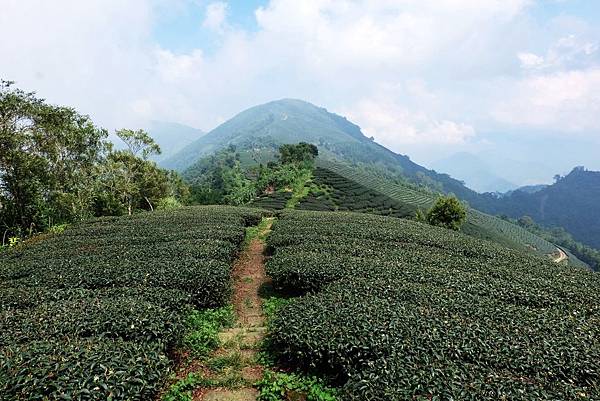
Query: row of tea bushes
{"points": [[275, 201], [337, 193], [92, 314], [397, 310]]}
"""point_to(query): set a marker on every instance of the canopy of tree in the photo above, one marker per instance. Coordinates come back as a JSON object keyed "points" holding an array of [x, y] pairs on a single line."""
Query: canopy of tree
{"points": [[56, 167], [220, 178], [447, 212]]}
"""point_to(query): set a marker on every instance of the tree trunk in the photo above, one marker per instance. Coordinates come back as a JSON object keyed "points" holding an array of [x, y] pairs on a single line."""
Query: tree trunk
{"points": [[149, 204]]}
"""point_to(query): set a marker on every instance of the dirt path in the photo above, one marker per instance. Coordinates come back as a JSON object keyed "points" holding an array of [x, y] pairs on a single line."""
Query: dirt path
{"points": [[239, 344], [561, 256]]}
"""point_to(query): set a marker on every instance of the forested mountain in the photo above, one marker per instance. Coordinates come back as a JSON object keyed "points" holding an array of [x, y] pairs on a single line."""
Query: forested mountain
{"points": [[571, 202], [568, 203], [291, 121]]}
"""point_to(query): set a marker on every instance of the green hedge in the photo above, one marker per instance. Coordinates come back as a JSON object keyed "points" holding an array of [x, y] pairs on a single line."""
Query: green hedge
{"points": [[93, 312], [96, 369], [397, 310]]}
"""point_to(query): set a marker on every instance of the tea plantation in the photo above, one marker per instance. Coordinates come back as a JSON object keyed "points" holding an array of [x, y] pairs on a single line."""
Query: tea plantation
{"points": [[93, 313], [392, 309], [332, 191], [479, 224]]}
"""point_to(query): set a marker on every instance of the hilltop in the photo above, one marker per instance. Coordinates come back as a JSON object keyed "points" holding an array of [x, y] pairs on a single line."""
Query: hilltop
{"points": [[257, 133], [290, 121]]}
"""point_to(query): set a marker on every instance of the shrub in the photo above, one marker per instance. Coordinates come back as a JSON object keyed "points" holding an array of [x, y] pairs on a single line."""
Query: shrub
{"points": [[170, 202], [92, 313], [447, 212], [397, 310], [93, 369]]}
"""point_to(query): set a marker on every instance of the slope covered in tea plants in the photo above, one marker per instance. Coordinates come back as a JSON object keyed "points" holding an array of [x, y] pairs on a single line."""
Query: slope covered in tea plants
{"points": [[94, 313], [479, 224], [333, 192], [397, 310]]}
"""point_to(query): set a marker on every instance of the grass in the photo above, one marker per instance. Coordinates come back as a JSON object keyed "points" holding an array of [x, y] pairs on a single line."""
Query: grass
{"points": [[259, 231], [277, 386], [300, 189], [203, 329]]}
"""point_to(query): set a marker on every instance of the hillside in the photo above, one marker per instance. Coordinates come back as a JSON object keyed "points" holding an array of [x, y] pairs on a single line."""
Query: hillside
{"points": [[291, 121], [172, 137], [479, 225], [571, 203], [99, 311], [174, 305], [396, 310], [258, 132]]}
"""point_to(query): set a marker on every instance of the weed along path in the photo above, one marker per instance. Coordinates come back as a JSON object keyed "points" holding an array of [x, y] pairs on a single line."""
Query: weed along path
{"points": [[234, 364]]}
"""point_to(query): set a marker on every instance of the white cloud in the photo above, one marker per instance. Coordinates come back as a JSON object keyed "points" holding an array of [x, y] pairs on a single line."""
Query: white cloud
{"points": [[530, 60], [407, 71], [567, 52], [216, 15], [393, 125], [567, 101]]}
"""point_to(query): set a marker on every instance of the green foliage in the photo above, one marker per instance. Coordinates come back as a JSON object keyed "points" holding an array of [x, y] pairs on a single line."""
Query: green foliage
{"points": [[138, 143], [47, 160], [300, 188], [131, 182], [479, 225], [561, 237], [447, 212], [399, 310], [257, 232], [276, 200], [93, 313], [168, 203], [220, 178], [82, 369], [276, 386], [57, 167], [203, 328], [332, 191], [272, 305], [57, 228], [182, 390], [300, 153], [571, 203]]}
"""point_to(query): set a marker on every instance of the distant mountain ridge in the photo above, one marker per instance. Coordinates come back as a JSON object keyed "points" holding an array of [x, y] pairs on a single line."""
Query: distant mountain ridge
{"points": [[475, 172], [291, 121], [573, 202], [172, 137]]}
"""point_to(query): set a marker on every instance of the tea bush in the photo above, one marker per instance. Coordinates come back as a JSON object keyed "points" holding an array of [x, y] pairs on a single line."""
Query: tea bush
{"points": [[398, 310], [92, 313]]}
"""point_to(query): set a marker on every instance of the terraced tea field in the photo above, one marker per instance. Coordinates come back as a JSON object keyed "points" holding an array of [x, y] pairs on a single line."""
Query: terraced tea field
{"points": [[94, 313], [479, 224], [338, 193], [396, 310]]}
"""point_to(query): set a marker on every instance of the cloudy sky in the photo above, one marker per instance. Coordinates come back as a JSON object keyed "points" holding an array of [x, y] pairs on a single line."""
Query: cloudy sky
{"points": [[511, 80]]}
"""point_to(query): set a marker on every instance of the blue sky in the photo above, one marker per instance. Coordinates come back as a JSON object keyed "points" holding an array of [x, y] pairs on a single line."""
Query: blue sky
{"points": [[181, 30], [427, 78]]}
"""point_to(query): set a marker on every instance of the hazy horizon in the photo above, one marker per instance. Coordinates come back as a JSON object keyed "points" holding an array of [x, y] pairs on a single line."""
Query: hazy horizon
{"points": [[514, 80]]}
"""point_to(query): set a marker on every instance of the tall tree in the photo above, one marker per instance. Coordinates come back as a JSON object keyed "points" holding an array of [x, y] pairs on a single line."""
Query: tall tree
{"points": [[47, 158]]}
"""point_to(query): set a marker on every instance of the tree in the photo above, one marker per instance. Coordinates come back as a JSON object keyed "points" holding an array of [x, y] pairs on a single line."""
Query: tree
{"points": [[134, 181], [300, 153], [447, 212], [47, 159]]}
